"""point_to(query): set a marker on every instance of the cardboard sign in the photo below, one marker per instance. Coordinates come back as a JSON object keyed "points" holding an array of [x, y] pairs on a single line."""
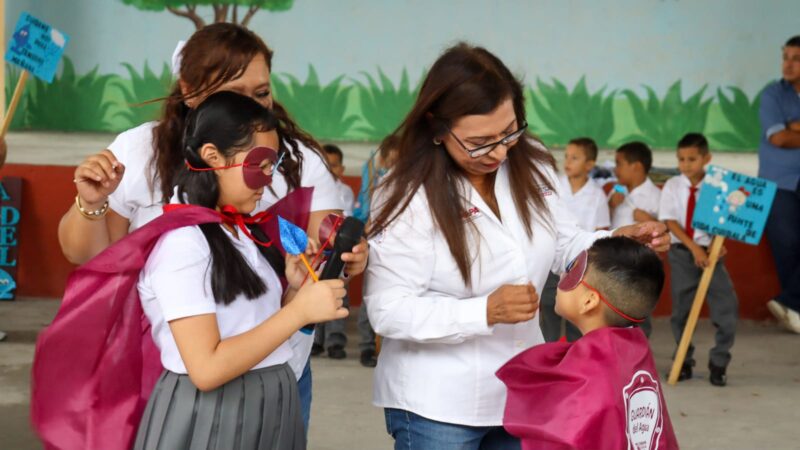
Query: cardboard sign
{"points": [[10, 200], [36, 47], [733, 205]]}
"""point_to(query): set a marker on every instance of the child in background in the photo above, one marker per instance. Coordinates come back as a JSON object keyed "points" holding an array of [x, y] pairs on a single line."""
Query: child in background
{"points": [[603, 391], [331, 335], [688, 256], [588, 203], [635, 198]]}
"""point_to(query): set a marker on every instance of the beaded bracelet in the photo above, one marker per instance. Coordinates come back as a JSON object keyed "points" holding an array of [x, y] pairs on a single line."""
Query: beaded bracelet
{"points": [[91, 215]]}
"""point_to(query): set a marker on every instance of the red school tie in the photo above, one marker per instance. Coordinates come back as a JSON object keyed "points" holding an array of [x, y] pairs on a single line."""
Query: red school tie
{"points": [[690, 211]]}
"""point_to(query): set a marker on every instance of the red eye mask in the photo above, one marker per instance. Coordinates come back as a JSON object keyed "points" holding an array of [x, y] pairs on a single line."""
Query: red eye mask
{"points": [[255, 171], [575, 271]]}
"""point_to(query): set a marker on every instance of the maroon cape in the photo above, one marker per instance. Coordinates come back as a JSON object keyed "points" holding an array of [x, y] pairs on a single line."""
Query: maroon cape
{"points": [[96, 364], [600, 392]]}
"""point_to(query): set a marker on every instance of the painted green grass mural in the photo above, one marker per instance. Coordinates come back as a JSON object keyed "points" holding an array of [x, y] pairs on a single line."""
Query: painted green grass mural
{"points": [[570, 114], [663, 122], [142, 93], [71, 102], [372, 106], [742, 115], [319, 109], [384, 106]]}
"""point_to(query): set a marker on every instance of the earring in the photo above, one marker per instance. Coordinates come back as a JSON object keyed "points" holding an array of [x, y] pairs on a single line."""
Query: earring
{"points": [[437, 141]]}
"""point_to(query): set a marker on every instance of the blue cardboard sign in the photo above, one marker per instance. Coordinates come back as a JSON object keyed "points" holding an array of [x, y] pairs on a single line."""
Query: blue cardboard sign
{"points": [[36, 47], [733, 205]]}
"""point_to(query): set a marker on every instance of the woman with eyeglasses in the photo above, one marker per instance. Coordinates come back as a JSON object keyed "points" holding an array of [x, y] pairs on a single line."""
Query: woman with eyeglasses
{"points": [[467, 225]]}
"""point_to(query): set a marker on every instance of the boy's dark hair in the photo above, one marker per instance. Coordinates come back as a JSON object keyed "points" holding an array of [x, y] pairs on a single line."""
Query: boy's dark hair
{"points": [[694, 140], [331, 149], [628, 274], [588, 145], [793, 41], [637, 152]]}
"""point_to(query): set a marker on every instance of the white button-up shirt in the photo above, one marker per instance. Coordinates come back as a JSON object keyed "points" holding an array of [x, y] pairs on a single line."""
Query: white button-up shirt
{"points": [[646, 197], [674, 201], [589, 205], [439, 356]]}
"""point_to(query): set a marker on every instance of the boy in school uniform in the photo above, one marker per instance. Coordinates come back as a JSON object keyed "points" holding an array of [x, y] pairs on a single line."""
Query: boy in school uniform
{"points": [[587, 201], [688, 256], [602, 391], [331, 335], [635, 198]]}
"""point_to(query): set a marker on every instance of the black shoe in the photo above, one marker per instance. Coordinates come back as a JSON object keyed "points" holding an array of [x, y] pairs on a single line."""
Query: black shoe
{"points": [[717, 377], [336, 352], [686, 371], [316, 350], [368, 358]]}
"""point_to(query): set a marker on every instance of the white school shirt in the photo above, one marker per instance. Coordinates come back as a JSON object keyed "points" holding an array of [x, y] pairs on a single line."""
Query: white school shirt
{"points": [[439, 357], [674, 200], [646, 197], [138, 199], [347, 197], [589, 205], [176, 283]]}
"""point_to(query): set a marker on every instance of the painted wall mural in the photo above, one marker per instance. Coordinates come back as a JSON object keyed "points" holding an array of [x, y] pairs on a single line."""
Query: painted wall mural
{"points": [[369, 95]]}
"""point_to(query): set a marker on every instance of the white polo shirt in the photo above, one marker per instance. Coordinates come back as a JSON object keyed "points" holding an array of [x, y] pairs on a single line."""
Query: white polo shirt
{"points": [[674, 201], [176, 283], [589, 205], [646, 197]]}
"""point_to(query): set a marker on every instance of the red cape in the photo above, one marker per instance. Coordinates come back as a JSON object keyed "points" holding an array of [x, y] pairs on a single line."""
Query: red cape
{"points": [[600, 392], [96, 364]]}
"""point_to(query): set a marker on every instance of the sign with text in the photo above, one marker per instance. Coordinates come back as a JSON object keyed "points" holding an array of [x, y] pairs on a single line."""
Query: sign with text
{"points": [[733, 205], [10, 200], [36, 47]]}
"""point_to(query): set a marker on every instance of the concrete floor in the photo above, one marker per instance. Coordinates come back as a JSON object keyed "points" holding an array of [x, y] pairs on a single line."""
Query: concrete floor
{"points": [[753, 412]]}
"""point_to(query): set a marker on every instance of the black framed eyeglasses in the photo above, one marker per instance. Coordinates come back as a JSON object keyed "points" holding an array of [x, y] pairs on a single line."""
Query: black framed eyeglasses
{"points": [[477, 152]]}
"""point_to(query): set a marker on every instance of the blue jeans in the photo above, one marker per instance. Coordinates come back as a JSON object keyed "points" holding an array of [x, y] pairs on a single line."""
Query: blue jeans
{"points": [[304, 387], [413, 432], [783, 231]]}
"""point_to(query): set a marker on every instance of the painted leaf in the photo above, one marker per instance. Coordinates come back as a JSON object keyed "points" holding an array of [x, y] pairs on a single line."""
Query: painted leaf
{"points": [[293, 239]]}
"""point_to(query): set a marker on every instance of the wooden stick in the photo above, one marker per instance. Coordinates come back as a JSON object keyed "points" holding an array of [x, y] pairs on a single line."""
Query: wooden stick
{"points": [[12, 108], [694, 314]]}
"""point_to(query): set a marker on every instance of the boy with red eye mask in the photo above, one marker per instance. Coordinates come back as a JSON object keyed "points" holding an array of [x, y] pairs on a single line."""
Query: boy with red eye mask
{"points": [[602, 391]]}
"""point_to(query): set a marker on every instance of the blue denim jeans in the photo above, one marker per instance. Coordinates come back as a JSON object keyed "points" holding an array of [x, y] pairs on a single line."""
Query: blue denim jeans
{"points": [[413, 432], [783, 231], [304, 387]]}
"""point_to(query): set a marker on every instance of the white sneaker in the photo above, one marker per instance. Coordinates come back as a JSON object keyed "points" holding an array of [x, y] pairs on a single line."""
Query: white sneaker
{"points": [[777, 310], [792, 321]]}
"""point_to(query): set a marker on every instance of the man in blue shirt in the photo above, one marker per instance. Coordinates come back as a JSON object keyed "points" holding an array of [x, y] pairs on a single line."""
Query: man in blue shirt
{"points": [[779, 161]]}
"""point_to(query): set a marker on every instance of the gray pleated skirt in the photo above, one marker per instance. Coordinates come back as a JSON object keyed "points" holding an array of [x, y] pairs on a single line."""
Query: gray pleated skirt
{"points": [[258, 410]]}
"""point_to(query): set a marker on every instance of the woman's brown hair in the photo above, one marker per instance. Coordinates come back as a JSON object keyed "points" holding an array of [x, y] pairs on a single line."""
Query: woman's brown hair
{"points": [[213, 56], [465, 80]]}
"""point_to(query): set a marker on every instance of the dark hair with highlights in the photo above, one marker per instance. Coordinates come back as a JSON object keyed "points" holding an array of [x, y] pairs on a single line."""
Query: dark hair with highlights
{"points": [[213, 56], [229, 121], [464, 80]]}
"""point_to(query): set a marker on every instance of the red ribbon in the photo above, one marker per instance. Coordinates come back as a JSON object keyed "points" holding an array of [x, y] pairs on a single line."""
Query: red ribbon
{"points": [[231, 216]]}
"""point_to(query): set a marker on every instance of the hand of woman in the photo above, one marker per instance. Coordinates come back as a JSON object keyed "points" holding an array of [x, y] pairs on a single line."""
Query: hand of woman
{"points": [[296, 271], [652, 234], [97, 177], [356, 261], [512, 304], [320, 302]]}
